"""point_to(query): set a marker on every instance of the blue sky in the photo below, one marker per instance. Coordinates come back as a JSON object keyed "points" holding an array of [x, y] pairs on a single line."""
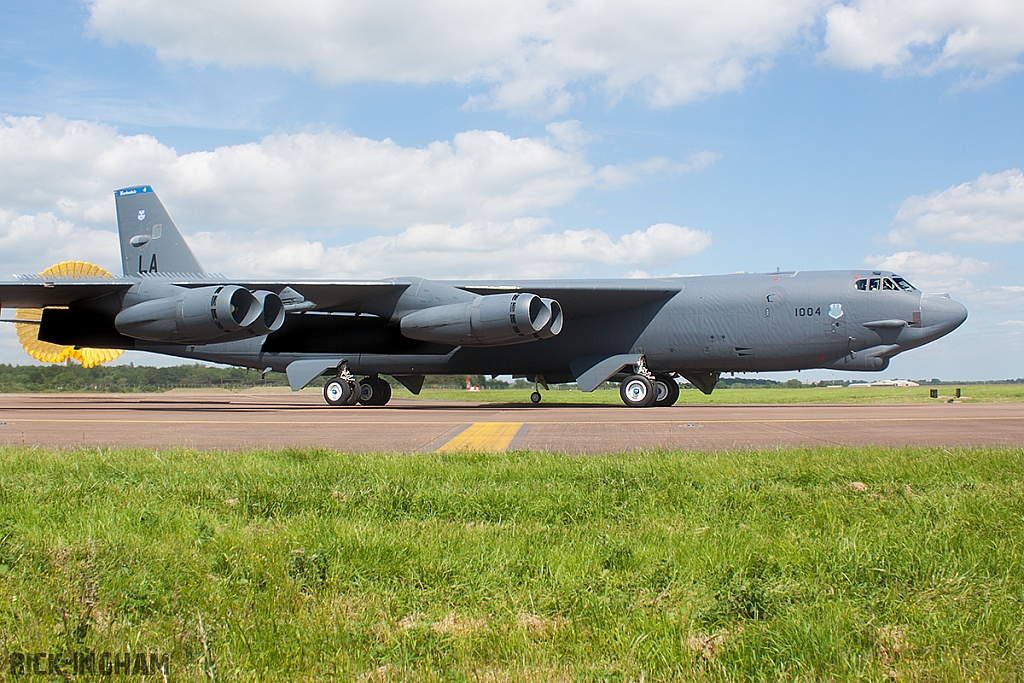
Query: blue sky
{"points": [[451, 138]]}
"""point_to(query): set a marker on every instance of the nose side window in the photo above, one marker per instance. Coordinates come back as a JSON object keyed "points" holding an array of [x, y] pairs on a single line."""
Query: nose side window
{"points": [[889, 285], [875, 284], [861, 284]]}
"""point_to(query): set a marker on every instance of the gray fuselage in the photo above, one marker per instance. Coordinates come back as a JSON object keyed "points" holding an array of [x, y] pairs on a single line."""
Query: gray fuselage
{"points": [[724, 323]]}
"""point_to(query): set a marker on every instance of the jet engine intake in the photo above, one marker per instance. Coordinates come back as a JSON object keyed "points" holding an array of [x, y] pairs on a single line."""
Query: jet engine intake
{"points": [[203, 315], [491, 320]]}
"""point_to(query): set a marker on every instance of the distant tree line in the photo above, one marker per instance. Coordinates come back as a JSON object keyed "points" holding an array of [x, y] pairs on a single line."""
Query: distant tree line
{"points": [[127, 378], [132, 378]]}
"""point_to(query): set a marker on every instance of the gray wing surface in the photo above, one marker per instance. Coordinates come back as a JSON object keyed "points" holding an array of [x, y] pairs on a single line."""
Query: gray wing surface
{"points": [[37, 292], [579, 298], [585, 298], [40, 293]]}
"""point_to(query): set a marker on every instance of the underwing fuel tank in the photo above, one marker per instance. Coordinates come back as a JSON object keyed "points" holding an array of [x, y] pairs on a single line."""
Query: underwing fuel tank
{"points": [[203, 315], [491, 320]]}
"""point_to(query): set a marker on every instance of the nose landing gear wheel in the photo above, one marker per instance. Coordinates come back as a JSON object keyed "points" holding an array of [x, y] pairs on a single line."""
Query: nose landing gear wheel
{"points": [[535, 397], [666, 391], [637, 391]]}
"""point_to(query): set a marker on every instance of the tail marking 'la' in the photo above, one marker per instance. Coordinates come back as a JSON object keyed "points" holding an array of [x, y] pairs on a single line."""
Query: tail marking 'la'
{"points": [[150, 242]]}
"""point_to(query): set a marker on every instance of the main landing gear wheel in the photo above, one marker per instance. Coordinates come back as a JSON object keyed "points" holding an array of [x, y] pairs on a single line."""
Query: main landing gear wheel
{"points": [[374, 391], [337, 391], [666, 391], [637, 391], [535, 397]]}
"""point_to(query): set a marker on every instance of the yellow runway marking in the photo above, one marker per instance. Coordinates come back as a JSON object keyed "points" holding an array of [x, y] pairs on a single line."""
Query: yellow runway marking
{"points": [[493, 437]]}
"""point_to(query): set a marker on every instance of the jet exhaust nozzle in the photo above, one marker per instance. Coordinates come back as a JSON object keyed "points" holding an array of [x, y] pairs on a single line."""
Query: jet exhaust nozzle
{"points": [[272, 313], [554, 325], [491, 320]]}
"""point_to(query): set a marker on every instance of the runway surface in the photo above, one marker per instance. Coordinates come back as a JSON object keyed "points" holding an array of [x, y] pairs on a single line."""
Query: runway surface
{"points": [[230, 421]]}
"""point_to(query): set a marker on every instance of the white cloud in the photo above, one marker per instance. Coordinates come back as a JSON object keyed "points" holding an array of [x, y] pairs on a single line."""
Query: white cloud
{"points": [[1001, 298], [944, 272], [318, 178], [920, 37], [989, 209], [953, 274], [537, 55], [519, 248], [31, 243], [541, 56], [459, 208], [616, 176]]}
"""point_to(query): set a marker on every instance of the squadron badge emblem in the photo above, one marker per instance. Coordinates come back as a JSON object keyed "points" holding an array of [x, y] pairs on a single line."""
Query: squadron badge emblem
{"points": [[835, 311]]}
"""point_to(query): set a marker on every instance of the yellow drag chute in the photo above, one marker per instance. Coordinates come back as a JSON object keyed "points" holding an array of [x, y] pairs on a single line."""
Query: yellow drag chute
{"points": [[46, 352]]}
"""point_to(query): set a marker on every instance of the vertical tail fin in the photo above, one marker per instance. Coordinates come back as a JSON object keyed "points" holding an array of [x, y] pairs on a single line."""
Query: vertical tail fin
{"points": [[150, 242]]}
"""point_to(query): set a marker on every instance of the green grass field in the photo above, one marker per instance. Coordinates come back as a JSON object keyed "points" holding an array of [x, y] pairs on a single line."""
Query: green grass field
{"points": [[978, 393], [826, 564]]}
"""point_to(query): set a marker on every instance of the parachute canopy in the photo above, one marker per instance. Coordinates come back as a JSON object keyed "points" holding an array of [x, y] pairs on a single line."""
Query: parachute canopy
{"points": [[28, 332]]}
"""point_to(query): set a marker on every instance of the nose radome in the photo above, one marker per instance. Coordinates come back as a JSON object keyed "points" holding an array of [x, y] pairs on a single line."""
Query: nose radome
{"points": [[941, 313]]}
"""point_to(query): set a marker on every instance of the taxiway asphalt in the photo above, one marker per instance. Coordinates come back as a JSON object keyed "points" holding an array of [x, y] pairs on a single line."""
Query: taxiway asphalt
{"points": [[234, 421]]}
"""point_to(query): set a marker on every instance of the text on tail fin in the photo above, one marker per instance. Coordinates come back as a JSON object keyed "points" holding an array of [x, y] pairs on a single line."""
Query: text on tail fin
{"points": [[150, 242]]}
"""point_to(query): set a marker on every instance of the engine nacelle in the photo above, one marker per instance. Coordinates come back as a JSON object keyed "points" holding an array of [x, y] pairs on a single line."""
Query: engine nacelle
{"points": [[492, 320], [203, 315]]}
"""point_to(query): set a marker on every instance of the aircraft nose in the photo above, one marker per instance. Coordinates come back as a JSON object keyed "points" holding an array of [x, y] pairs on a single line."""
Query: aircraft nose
{"points": [[941, 314]]}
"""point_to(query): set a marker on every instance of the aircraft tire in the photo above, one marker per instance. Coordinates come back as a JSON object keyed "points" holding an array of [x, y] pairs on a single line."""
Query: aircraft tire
{"points": [[384, 394], [666, 391], [337, 392], [535, 397], [374, 391], [367, 390], [636, 391]]}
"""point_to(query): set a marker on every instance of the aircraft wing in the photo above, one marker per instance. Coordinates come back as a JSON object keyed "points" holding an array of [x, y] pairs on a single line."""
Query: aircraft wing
{"points": [[578, 298], [584, 298], [40, 292], [323, 295]]}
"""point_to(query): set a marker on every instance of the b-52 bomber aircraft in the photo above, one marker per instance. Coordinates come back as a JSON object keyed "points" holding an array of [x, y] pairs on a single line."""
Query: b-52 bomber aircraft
{"points": [[642, 333]]}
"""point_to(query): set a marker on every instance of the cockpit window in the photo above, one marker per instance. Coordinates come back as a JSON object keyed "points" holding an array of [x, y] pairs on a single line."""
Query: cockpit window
{"points": [[904, 285], [891, 284]]}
